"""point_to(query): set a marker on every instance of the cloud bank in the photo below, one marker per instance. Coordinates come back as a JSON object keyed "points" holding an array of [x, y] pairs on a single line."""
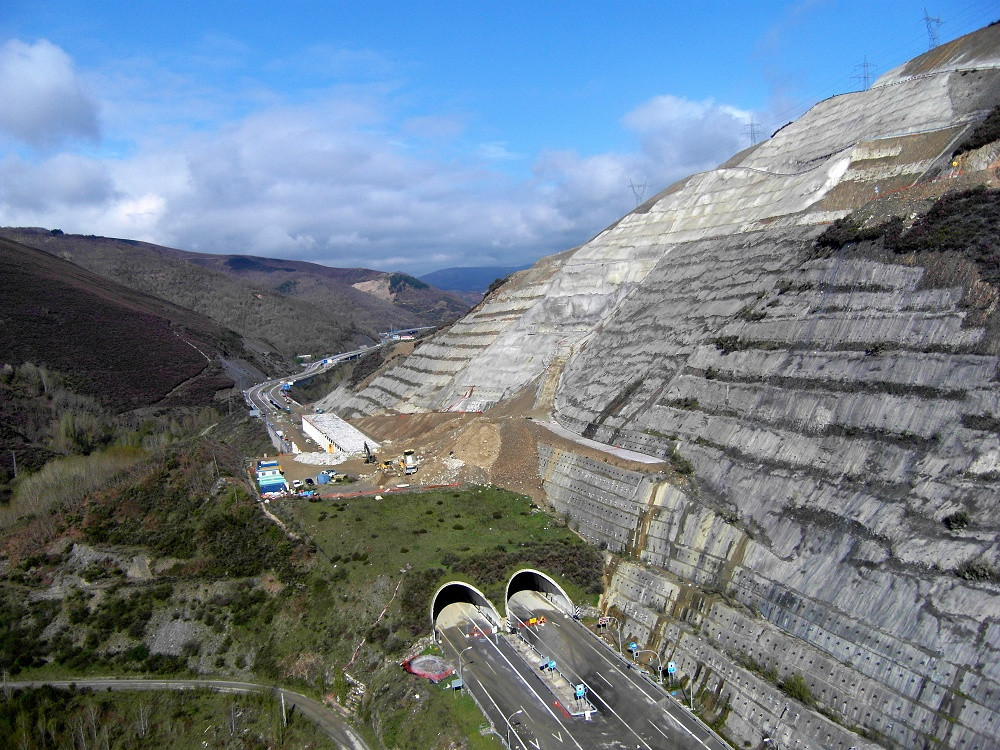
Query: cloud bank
{"points": [[344, 178], [44, 101]]}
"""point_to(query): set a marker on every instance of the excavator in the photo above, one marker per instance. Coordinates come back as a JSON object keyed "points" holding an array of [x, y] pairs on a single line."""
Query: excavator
{"points": [[369, 456]]}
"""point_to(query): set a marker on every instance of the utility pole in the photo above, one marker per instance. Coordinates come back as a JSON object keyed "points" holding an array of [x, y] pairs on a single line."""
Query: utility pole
{"points": [[750, 129], [866, 73], [933, 24]]}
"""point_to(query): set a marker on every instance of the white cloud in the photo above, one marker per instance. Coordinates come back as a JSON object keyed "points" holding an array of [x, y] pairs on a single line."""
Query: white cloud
{"points": [[346, 178], [498, 151], [44, 101], [680, 136], [53, 185]]}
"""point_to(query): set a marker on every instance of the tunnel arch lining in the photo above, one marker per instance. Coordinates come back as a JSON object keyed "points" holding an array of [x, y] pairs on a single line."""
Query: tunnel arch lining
{"points": [[454, 592], [529, 579]]}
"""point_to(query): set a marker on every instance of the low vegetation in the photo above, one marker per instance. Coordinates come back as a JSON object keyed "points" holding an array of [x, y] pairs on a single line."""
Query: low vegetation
{"points": [[984, 133], [964, 223], [48, 718], [64, 443], [795, 686], [173, 570]]}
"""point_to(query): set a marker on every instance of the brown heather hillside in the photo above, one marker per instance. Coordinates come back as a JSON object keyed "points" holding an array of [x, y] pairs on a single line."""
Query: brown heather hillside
{"points": [[125, 348], [282, 308]]}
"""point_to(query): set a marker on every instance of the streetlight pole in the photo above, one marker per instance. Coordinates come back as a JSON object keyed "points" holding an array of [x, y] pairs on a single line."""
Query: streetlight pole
{"points": [[461, 677], [659, 667], [519, 711], [620, 626]]}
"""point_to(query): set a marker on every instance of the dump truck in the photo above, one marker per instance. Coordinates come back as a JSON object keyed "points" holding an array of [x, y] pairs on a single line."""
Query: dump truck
{"points": [[409, 463]]}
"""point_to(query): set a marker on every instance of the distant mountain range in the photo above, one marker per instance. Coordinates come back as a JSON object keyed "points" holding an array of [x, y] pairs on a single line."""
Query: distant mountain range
{"points": [[469, 279], [282, 308]]}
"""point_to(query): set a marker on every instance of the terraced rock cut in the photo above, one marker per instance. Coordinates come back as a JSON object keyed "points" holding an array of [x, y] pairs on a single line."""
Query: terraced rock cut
{"points": [[824, 397]]}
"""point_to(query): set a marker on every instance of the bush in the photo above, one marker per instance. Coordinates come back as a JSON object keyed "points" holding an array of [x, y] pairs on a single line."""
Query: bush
{"points": [[794, 686], [978, 570], [956, 521], [681, 465]]}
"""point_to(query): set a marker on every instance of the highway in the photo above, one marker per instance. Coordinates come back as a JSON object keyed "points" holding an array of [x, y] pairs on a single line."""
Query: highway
{"points": [[631, 712], [510, 692], [338, 730], [643, 713], [264, 396]]}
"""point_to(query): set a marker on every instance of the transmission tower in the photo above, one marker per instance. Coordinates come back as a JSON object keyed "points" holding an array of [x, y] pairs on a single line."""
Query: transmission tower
{"points": [[865, 76], [638, 191], [751, 130], [933, 24]]}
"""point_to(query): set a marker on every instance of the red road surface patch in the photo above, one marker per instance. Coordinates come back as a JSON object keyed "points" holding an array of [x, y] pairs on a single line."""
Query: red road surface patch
{"points": [[430, 667]]}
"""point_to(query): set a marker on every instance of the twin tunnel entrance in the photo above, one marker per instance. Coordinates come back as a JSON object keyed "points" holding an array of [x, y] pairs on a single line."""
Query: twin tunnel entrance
{"points": [[527, 579]]}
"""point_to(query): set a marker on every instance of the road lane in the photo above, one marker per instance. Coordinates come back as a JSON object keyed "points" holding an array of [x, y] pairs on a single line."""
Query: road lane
{"points": [[504, 685], [644, 707]]}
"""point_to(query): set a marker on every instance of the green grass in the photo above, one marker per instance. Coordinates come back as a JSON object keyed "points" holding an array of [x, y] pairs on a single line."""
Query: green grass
{"points": [[446, 529]]}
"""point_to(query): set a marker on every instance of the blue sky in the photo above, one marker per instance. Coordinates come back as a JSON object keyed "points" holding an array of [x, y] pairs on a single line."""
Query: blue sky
{"points": [[410, 136]]}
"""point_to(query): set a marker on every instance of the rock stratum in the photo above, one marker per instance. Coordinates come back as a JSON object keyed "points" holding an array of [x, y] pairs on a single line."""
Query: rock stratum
{"points": [[819, 549]]}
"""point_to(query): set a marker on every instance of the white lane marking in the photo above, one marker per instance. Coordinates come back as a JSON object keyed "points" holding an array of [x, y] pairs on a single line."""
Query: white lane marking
{"points": [[604, 678], [606, 704], [521, 677], [657, 728], [635, 682], [509, 725], [681, 725]]}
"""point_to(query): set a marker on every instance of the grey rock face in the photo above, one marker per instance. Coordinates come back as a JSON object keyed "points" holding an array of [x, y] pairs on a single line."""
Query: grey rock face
{"points": [[838, 413]]}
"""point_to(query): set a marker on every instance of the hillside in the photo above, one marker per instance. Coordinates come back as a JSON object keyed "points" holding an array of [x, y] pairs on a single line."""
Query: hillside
{"points": [[79, 351], [282, 308], [809, 336], [125, 348], [386, 298]]}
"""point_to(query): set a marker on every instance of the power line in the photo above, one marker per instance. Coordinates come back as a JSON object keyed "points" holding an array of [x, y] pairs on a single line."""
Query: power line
{"points": [[751, 130], [976, 13]]}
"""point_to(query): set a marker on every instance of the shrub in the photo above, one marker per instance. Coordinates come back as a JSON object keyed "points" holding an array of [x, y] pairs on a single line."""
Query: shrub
{"points": [[977, 570], [956, 521], [681, 465], [794, 686]]}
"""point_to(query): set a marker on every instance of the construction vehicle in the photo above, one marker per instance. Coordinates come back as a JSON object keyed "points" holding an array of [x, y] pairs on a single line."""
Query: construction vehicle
{"points": [[369, 456], [409, 463]]}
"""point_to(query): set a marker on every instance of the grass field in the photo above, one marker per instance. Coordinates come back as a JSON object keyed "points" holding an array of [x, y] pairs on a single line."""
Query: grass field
{"points": [[479, 534]]}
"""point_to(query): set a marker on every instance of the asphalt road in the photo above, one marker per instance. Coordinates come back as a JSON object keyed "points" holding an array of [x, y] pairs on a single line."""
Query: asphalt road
{"points": [[329, 723], [644, 714], [632, 712], [509, 691], [263, 396]]}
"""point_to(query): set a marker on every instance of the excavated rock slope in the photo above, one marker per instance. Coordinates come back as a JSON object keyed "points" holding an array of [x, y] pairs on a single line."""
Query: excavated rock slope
{"points": [[836, 411]]}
